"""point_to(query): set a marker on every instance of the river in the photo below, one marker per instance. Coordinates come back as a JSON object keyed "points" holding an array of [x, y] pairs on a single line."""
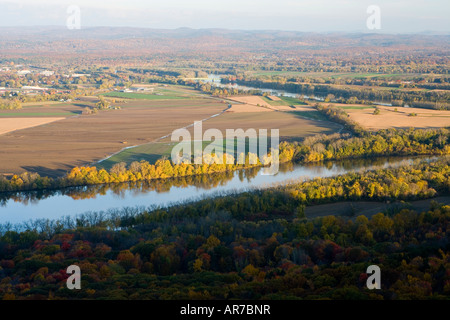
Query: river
{"points": [[215, 80], [54, 204]]}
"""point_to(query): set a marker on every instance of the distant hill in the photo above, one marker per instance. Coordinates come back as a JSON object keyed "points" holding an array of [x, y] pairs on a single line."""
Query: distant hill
{"points": [[29, 42]]}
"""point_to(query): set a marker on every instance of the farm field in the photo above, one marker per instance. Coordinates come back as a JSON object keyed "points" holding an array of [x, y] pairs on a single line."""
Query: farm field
{"points": [[395, 117], [156, 93], [283, 101], [268, 102], [245, 107], [252, 100], [402, 118], [45, 109], [37, 114], [309, 114], [150, 152], [78, 139], [146, 96], [59, 146], [295, 108], [34, 104], [262, 104], [368, 208], [293, 125], [9, 125]]}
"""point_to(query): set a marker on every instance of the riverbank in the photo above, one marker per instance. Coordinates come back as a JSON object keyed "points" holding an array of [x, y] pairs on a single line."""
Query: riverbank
{"points": [[70, 202]]}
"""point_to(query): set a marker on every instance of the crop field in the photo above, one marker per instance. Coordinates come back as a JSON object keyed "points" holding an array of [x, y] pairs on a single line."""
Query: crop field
{"points": [[43, 103], [9, 125], [59, 146], [368, 209], [349, 106], [37, 114], [284, 101], [154, 151], [158, 93], [45, 110], [395, 117], [133, 132], [402, 118], [239, 108], [150, 152], [252, 100], [146, 96], [32, 115], [314, 115], [360, 107], [293, 125]]}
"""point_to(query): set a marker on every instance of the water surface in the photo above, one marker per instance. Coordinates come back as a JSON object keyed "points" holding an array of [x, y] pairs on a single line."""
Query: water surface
{"points": [[53, 204]]}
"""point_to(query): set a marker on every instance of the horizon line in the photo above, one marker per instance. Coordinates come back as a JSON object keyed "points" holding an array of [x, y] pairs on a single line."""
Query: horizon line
{"points": [[379, 32]]}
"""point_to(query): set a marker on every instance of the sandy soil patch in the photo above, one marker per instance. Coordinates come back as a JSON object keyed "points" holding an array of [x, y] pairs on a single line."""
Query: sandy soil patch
{"points": [[388, 118], [55, 148], [274, 98], [13, 124], [254, 100], [419, 111]]}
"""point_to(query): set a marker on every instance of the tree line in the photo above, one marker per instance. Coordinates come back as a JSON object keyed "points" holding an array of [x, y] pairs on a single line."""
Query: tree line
{"points": [[439, 99], [255, 245], [311, 149], [10, 104]]}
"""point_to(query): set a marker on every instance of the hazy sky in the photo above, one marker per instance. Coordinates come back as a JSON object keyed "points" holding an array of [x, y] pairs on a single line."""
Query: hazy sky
{"points": [[397, 16]]}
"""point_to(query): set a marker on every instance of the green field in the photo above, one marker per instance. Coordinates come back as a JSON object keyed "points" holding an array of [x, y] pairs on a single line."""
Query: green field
{"points": [[152, 152], [313, 115], [284, 101]]}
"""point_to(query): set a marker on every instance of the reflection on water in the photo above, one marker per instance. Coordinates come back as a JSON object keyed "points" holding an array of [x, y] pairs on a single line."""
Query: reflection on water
{"points": [[22, 206], [216, 80]]}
